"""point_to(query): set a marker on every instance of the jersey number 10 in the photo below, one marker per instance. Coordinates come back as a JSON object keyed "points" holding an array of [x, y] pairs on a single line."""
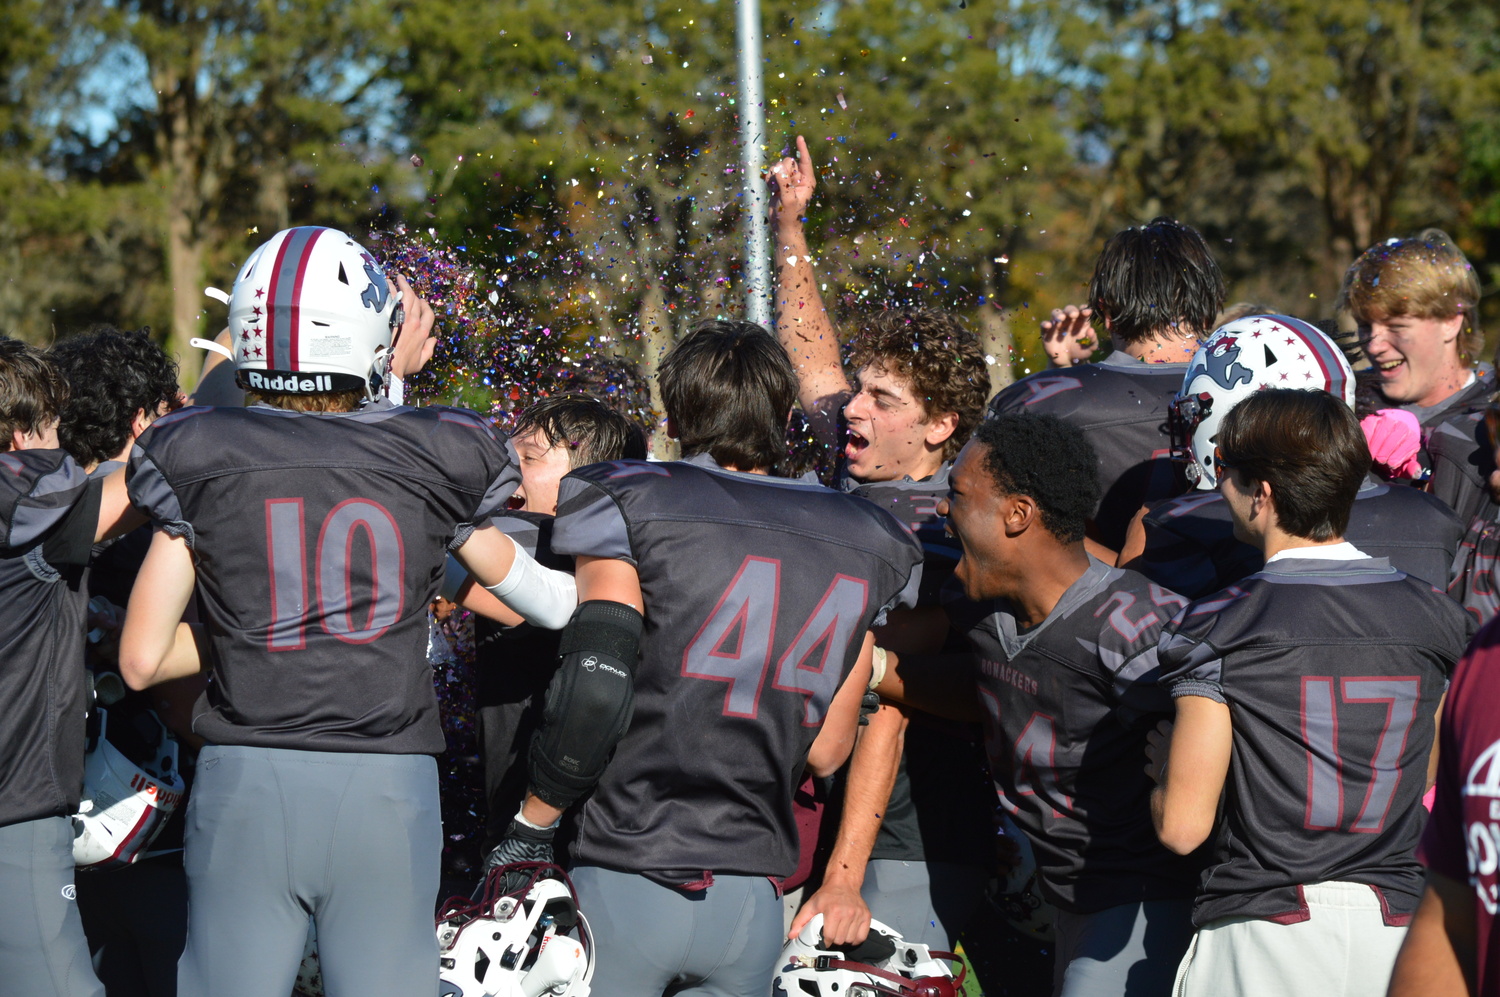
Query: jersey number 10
{"points": [[734, 644], [286, 557]]}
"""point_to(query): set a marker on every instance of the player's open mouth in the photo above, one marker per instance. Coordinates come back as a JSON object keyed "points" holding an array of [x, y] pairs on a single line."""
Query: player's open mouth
{"points": [[516, 501], [1386, 366], [855, 446]]}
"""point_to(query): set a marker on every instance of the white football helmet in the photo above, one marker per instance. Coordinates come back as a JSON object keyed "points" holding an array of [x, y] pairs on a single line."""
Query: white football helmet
{"points": [[514, 945], [808, 968], [1239, 359], [311, 311], [124, 805], [310, 970], [1016, 894]]}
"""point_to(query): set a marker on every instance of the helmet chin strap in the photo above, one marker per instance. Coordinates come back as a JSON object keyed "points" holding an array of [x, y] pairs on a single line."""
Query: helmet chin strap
{"points": [[380, 370]]}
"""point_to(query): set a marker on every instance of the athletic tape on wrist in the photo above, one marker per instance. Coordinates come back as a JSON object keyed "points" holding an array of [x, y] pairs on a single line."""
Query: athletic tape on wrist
{"points": [[878, 663]]}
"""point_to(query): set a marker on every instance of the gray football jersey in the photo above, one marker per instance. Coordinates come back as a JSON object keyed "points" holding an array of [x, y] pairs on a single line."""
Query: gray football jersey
{"points": [[1475, 581], [758, 592], [1462, 459], [1067, 705], [320, 541], [1122, 406], [1332, 671], [48, 512]]}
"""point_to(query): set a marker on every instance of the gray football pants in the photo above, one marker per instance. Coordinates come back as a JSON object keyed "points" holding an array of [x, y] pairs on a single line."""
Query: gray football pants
{"points": [[929, 903], [651, 940], [1132, 950], [275, 837], [42, 949]]}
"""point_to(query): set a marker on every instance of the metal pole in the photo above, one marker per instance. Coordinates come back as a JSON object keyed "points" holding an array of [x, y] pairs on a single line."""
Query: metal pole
{"points": [[752, 138]]}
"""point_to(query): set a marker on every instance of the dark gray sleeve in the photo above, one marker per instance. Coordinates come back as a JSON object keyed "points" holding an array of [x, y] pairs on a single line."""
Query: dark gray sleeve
{"points": [[502, 486], [1190, 665], [154, 497], [505, 477], [522, 531], [72, 542], [1011, 398], [590, 522], [904, 599], [38, 490], [1139, 689]]}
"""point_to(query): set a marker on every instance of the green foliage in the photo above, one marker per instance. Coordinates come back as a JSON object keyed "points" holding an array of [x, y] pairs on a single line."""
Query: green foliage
{"points": [[585, 155]]}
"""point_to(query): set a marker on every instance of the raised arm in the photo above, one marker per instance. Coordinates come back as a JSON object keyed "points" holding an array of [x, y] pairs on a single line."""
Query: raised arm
{"points": [[802, 323]]}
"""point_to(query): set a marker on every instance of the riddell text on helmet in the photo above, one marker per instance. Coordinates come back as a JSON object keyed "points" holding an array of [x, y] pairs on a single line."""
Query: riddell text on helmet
{"points": [[288, 382]]}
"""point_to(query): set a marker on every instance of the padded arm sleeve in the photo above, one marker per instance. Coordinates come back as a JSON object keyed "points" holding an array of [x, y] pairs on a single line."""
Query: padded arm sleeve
{"points": [[545, 597], [589, 702]]}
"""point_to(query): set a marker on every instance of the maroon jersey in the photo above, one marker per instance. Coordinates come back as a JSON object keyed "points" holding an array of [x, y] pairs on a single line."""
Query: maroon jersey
{"points": [[1068, 704], [758, 592], [1121, 404], [1332, 672], [320, 540], [1462, 840]]}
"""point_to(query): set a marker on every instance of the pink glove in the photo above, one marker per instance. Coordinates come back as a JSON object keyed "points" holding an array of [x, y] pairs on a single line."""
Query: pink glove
{"points": [[1394, 437]]}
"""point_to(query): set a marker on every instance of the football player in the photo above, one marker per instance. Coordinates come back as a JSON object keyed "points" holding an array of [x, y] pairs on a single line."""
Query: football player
{"points": [[1063, 674], [313, 524], [1415, 300], [135, 917], [50, 514], [514, 661], [1306, 697], [913, 845], [721, 641], [1474, 580], [1189, 543], [1155, 290]]}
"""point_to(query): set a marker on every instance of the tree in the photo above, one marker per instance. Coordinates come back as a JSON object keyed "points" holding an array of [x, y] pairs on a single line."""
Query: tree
{"points": [[1302, 131], [213, 108]]}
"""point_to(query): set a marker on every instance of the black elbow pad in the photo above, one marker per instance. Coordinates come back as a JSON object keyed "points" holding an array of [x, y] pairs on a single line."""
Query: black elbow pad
{"points": [[589, 701]]}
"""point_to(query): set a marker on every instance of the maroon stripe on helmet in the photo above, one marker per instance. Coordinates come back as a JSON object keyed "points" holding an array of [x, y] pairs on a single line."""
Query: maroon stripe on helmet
{"points": [[283, 298], [296, 310]]}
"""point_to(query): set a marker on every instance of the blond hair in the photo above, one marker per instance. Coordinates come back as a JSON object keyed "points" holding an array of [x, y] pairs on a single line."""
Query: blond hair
{"points": [[321, 401], [1423, 276]]}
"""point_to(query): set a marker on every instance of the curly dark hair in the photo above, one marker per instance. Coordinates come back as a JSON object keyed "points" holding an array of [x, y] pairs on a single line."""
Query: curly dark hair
{"points": [[1047, 459], [937, 355], [111, 376]]}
